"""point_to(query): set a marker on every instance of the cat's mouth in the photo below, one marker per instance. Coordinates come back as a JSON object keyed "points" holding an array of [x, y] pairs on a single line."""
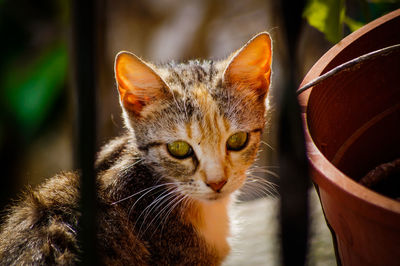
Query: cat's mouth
{"points": [[209, 197], [215, 196]]}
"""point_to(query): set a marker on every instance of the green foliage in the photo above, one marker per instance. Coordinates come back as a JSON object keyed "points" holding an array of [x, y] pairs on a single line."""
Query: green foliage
{"points": [[352, 24], [330, 16], [33, 69], [30, 87], [327, 16]]}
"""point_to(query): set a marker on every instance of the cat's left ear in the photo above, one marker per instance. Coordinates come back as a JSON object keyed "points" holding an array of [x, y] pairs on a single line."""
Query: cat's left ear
{"points": [[250, 66]]}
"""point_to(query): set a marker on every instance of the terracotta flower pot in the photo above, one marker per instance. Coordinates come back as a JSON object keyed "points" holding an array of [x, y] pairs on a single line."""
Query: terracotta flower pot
{"points": [[352, 124]]}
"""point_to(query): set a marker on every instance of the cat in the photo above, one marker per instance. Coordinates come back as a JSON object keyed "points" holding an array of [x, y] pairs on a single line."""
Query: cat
{"points": [[165, 186]]}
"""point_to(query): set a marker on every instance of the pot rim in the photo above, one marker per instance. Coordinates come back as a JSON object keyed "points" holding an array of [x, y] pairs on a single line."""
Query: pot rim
{"points": [[318, 161]]}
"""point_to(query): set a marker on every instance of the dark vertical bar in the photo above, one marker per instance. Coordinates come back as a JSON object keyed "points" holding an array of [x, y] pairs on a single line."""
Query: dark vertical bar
{"points": [[84, 34], [294, 179]]}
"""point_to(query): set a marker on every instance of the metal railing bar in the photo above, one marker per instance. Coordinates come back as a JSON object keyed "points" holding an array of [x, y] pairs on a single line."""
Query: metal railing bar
{"points": [[83, 29], [294, 176]]}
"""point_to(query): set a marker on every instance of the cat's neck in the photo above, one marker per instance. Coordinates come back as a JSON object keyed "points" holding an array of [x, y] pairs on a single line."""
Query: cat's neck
{"points": [[211, 220]]}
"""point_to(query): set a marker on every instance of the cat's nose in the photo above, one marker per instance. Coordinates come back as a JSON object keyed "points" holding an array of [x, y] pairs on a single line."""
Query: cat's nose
{"points": [[217, 186]]}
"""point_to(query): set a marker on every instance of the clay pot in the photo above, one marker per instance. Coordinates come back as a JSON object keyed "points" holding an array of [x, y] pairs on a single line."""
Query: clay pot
{"points": [[352, 124]]}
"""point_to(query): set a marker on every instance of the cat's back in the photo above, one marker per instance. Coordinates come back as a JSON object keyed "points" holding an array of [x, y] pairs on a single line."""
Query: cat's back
{"points": [[41, 229]]}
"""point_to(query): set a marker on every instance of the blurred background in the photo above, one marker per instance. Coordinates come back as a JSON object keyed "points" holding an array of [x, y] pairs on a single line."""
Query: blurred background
{"points": [[37, 103], [37, 99]]}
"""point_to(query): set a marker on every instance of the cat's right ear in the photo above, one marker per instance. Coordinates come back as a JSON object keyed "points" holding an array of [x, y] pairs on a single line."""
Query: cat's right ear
{"points": [[138, 84], [249, 69]]}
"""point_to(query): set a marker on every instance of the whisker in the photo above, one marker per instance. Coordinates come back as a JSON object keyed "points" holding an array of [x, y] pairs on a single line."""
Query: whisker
{"points": [[268, 145], [163, 222], [258, 169], [258, 186], [164, 196], [259, 180], [151, 190], [258, 191], [174, 199], [130, 196], [265, 166], [124, 170]]}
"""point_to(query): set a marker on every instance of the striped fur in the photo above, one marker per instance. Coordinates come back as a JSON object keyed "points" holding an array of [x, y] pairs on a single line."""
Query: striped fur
{"points": [[155, 209]]}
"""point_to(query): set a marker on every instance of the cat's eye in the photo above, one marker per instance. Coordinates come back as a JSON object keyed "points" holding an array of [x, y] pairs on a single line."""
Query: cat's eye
{"points": [[179, 149], [237, 141]]}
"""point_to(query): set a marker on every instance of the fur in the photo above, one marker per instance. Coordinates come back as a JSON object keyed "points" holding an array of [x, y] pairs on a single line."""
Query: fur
{"points": [[154, 208]]}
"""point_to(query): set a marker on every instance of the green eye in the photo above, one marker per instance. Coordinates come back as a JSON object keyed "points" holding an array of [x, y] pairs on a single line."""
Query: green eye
{"points": [[237, 141], [179, 149]]}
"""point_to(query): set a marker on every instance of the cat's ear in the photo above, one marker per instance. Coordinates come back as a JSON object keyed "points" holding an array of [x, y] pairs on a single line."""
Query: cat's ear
{"points": [[138, 84], [250, 66]]}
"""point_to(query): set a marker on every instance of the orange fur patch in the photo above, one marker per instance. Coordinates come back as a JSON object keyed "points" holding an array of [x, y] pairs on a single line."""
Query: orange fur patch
{"points": [[211, 221]]}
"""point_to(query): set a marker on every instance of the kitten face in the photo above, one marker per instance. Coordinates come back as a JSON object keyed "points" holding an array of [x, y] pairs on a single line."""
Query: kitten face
{"points": [[198, 124]]}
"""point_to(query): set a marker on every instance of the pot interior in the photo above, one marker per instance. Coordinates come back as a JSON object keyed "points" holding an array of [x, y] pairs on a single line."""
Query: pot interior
{"points": [[354, 118]]}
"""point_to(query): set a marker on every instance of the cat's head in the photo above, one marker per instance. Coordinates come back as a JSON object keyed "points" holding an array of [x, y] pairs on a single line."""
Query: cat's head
{"points": [[198, 124]]}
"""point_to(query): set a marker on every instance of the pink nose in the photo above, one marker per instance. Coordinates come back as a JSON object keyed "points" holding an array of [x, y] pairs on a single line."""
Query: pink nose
{"points": [[217, 186]]}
